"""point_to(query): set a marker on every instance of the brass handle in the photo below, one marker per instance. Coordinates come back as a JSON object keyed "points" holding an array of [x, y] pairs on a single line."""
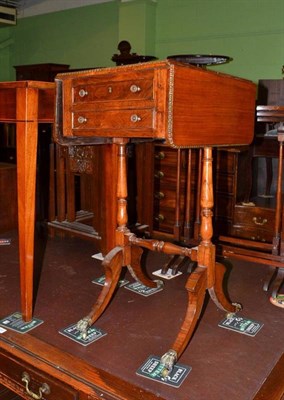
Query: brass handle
{"points": [[44, 389], [110, 89], [82, 120], [159, 218], [160, 156], [159, 195], [83, 93], [159, 174], [135, 118], [263, 222], [135, 89]]}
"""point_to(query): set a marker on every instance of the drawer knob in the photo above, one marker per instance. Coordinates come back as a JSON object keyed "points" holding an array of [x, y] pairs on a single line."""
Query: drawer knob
{"points": [[159, 218], [82, 120], [83, 93], [44, 389], [135, 89], [159, 195], [135, 118], [258, 221], [159, 174], [160, 156]]}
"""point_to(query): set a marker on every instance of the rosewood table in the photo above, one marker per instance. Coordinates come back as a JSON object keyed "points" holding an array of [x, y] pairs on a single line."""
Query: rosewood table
{"points": [[26, 103], [182, 106]]}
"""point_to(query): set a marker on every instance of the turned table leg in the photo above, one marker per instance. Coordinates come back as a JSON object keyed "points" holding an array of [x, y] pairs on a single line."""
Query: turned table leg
{"points": [[208, 274]]}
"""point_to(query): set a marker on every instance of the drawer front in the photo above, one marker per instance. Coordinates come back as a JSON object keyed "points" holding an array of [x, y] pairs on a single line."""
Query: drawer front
{"points": [[113, 120], [165, 155], [164, 220], [258, 235], [135, 89], [167, 199], [12, 373], [255, 217]]}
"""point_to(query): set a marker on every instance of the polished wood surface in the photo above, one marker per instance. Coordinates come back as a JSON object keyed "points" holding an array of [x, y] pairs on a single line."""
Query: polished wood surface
{"points": [[185, 107], [181, 104], [26, 103]]}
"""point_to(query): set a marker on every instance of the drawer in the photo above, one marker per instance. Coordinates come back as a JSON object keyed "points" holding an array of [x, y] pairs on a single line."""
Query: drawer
{"points": [[135, 89], [12, 372], [114, 120], [245, 232], [164, 220], [167, 199], [166, 156], [255, 217]]}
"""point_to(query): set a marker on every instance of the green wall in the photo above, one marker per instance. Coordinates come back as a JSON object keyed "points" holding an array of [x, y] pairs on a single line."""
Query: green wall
{"points": [[82, 37], [250, 31]]}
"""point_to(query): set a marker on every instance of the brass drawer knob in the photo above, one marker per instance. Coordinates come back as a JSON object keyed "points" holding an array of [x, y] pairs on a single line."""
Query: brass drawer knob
{"points": [[82, 120], [258, 221], [135, 89], [159, 195], [44, 389], [160, 156], [159, 218], [135, 118], [159, 174], [83, 93]]}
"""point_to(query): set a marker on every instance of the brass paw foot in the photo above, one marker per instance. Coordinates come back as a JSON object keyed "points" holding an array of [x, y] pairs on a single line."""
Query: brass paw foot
{"points": [[168, 360], [238, 307], [83, 326], [159, 283]]}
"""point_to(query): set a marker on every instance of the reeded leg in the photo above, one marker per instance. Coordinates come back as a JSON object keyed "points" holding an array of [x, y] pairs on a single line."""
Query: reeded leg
{"points": [[112, 266]]}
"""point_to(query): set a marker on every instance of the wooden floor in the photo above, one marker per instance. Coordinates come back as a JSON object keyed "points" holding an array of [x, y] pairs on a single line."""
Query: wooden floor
{"points": [[225, 364]]}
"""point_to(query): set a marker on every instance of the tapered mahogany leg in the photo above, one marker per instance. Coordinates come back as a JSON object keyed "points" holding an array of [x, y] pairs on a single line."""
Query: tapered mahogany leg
{"points": [[27, 135]]}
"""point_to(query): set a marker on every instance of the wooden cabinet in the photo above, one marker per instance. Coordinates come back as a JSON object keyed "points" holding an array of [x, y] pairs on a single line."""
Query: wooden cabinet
{"points": [[174, 210], [170, 193], [39, 72], [253, 223]]}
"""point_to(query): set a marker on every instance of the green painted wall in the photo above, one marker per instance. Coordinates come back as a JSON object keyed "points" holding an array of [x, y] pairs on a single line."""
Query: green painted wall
{"points": [[250, 31], [82, 37]]}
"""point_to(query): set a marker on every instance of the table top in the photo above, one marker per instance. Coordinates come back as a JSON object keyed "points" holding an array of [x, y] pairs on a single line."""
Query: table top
{"points": [[41, 93]]}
